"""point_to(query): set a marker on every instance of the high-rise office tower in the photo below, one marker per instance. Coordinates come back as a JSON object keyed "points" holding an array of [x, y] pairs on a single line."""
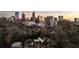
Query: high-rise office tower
{"points": [[55, 21], [76, 20], [40, 18], [33, 14], [60, 17], [33, 18], [16, 15], [23, 17], [49, 21]]}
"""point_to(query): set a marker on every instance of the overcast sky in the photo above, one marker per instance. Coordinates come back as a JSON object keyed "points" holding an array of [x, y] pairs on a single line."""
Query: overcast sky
{"points": [[66, 14]]}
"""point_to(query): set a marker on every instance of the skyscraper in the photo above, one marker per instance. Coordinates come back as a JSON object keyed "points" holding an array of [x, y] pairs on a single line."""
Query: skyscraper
{"points": [[41, 18], [76, 20], [55, 21], [49, 21], [33, 14], [60, 17], [16, 15], [33, 18], [23, 17]]}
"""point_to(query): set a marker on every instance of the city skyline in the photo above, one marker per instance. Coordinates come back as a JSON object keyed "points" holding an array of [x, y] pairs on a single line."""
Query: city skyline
{"points": [[69, 15]]}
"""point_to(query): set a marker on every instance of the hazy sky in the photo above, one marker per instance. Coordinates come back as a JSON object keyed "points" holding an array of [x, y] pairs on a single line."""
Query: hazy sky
{"points": [[66, 14]]}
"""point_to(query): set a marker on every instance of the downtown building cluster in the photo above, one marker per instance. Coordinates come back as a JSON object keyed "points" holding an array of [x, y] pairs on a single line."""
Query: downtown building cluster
{"points": [[39, 32], [48, 21]]}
